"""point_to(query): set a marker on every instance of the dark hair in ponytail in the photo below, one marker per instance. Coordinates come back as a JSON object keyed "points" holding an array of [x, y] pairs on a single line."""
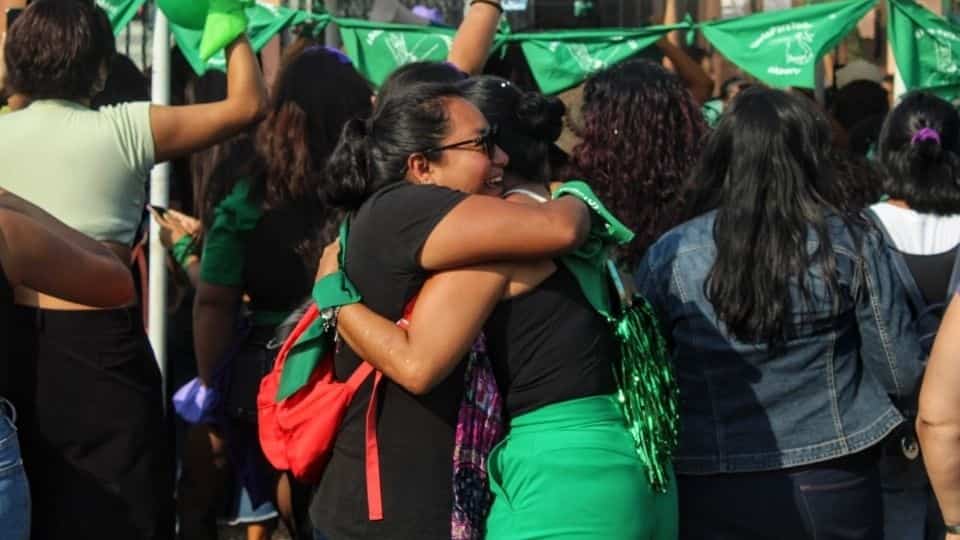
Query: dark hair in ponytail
{"points": [[373, 153], [919, 148], [529, 123]]}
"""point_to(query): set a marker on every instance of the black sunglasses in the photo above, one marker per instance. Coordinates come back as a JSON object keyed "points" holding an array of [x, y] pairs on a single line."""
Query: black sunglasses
{"points": [[487, 140]]}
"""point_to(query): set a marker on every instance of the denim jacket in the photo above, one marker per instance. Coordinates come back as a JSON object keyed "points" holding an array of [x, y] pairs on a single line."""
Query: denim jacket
{"points": [[828, 393]]}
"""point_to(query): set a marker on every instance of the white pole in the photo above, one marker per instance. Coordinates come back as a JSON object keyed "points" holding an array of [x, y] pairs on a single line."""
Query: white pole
{"points": [[159, 196]]}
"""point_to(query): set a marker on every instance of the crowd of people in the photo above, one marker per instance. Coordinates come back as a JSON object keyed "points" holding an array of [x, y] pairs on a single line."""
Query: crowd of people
{"points": [[726, 319]]}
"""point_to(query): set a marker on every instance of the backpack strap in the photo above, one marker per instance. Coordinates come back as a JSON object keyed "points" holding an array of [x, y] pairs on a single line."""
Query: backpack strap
{"points": [[372, 443], [374, 490], [900, 264]]}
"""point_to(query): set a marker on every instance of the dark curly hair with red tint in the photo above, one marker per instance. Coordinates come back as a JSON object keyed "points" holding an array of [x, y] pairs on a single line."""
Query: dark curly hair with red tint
{"points": [[641, 134]]}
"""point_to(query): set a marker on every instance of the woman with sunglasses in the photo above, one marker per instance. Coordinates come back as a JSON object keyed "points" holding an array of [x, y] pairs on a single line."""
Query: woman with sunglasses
{"points": [[569, 464], [407, 175]]}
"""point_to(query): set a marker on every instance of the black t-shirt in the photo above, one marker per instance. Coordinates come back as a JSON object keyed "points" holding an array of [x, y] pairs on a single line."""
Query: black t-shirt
{"points": [[416, 433], [550, 345], [6, 320]]}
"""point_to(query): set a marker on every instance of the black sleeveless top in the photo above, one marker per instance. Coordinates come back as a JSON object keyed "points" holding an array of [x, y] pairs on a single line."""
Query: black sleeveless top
{"points": [[550, 345], [932, 274]]}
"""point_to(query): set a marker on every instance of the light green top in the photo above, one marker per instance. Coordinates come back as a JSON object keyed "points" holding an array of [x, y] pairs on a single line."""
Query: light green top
{"points": [[88, 168]]}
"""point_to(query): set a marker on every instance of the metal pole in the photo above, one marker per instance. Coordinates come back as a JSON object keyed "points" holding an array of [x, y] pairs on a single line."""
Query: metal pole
{"points": [[159, 196], [331, 33]]}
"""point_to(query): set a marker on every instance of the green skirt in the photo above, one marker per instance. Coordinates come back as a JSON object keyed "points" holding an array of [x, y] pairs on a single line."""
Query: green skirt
{"points": [[569, 470]]}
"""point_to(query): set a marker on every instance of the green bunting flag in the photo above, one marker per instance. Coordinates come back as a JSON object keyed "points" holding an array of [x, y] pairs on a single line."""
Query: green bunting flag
{"points": [[120, 12], [926, 49], [782, 48], [266, 21], [379, 48], [562, 60]]}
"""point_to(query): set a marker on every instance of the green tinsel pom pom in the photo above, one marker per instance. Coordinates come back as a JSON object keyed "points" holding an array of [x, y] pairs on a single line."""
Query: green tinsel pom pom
{"points": [[647, 390]]}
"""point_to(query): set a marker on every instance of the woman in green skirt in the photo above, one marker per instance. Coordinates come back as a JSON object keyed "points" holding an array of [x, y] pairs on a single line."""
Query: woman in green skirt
{"points": [[589, 399]]}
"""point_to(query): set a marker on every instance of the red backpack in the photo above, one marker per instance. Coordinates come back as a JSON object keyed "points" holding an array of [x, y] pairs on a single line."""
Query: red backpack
{"points": [[298, 433]]}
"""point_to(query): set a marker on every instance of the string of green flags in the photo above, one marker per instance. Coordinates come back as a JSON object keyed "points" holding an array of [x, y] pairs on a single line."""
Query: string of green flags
{"points": [[779, 48]]}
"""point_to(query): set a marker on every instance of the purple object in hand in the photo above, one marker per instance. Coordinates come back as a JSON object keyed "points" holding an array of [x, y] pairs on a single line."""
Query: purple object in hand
{"points": [[194, 402]]}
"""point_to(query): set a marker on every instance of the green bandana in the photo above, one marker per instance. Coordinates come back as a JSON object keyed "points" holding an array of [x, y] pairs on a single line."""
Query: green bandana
{"points": [[926, 49], [782, 48], [646, 389], [589, 263], [562, 60], [331, 291], [120, 12], [265, 23], [226, 21], [378, 49]]}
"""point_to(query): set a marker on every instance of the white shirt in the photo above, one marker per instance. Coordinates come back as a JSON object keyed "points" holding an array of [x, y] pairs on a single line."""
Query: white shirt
{"points": [[914, 233]]}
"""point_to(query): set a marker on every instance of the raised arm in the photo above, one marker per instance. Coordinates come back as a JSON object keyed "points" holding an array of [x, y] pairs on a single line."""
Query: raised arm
{"points": [[483, 229], [696, 79], [938, 422], [449, 314], [471, 44], [69, 266], [178, 131]]}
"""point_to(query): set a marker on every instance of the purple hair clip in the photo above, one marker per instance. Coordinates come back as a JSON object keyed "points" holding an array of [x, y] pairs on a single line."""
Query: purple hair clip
{"points": [[336, 53], [925, 134]]}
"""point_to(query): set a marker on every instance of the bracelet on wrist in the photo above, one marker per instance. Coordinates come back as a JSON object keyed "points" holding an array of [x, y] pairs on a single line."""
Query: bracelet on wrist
{"points": [[492, 3], [953, 528]]}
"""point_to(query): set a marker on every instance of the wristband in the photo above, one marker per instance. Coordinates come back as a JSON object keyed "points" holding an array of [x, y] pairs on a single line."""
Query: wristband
{"points": [[491, 3], [182, 250], [952, 529]]}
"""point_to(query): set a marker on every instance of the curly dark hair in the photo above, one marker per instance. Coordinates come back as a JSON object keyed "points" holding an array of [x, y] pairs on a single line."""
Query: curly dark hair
{"points": [[641, 134], [56, 50]]}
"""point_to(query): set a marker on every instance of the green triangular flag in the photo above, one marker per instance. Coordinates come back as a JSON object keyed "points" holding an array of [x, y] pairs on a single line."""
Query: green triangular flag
{"points": [[562, 60], [378, 48], [120, 12], [265, 22], [782, 48], [926, 49]]}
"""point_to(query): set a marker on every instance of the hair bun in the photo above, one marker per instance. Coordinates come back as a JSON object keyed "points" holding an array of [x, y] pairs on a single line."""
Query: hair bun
{"points": [[928, 149], [541, 117]]}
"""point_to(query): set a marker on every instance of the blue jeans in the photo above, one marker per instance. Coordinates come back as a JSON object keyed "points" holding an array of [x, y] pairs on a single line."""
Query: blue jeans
{"points": [[14, 492], [835, 500]]}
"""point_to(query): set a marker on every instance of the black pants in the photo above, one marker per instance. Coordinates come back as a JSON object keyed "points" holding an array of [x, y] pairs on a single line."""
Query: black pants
{"points": [[834, 500], [95, 443]]}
